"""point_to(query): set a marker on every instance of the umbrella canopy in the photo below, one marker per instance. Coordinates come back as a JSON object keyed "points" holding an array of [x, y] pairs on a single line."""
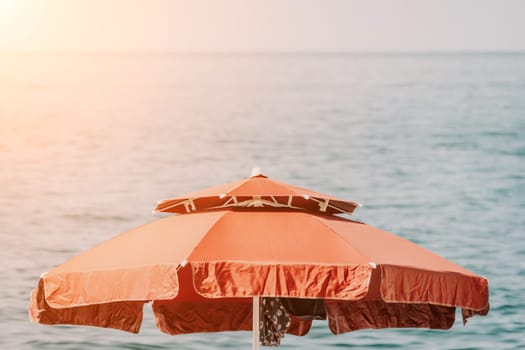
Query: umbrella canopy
{"points": [[257, 191], [214, 261]]}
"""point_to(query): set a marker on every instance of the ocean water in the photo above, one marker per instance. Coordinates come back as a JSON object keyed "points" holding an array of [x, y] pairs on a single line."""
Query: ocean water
{"points": [[433, 145]]}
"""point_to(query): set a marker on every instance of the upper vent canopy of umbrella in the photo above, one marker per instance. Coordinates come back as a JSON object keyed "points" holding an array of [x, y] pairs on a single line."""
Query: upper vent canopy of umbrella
{"points": [[257, 191]]}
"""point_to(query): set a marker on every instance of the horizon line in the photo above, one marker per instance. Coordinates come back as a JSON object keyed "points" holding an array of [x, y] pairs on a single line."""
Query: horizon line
{"points": [[263, 52]]}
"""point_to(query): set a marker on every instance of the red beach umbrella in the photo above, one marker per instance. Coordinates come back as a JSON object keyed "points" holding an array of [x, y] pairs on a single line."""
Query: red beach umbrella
{"points": [[258, 255]]}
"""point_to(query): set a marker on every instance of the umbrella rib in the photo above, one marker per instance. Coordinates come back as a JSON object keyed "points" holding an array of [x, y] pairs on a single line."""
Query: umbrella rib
{"points": [[327, 203], [171, 205], [256, 201], [198, 244]]}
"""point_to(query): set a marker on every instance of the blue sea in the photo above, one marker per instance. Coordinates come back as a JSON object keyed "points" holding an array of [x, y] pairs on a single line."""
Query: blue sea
{"points": [[433, 145]]}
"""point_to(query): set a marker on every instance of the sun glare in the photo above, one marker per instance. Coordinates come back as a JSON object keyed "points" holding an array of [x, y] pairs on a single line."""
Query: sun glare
{"points": [[13, 23], [6, 7], [9, 10]]}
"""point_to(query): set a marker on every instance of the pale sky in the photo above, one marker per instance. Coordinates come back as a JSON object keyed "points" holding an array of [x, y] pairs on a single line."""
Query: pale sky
{"points": [[263, 25]]}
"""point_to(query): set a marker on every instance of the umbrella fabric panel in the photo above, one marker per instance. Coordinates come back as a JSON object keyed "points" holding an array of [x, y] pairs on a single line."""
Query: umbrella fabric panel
{"points": [[163, 241], [181, 317], [402, 284], [231, 279], [71, 289], [261, 185], [140, 264], [385, 248], [276, 237], [125, 316], [347, 316], [374, 312], [216, 315]]}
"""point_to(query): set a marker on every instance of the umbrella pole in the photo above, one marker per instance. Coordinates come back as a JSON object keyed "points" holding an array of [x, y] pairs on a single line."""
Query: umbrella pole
{"points": [[255, 323]]}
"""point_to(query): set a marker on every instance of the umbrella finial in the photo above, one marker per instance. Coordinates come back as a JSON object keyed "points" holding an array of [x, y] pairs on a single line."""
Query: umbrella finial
{"points": [[256, 171]]}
